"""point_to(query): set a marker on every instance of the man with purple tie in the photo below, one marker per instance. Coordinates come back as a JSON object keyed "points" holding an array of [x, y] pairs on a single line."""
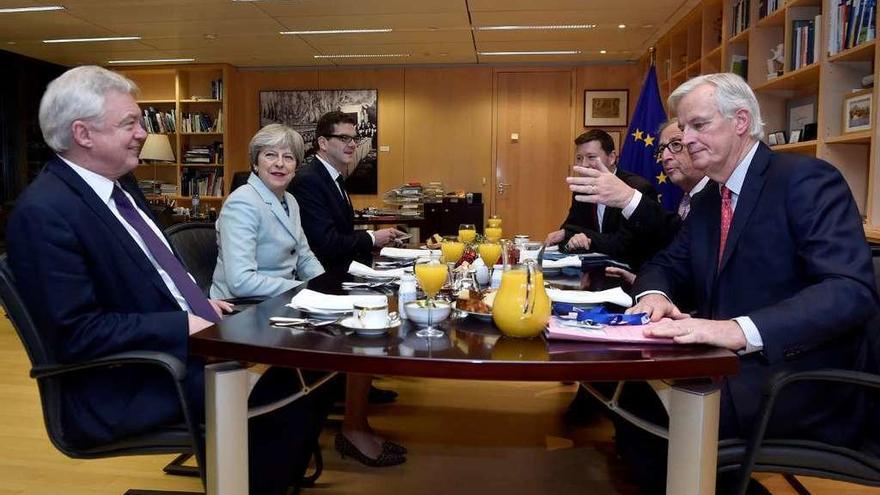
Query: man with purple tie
{"points": [[99, 277]]}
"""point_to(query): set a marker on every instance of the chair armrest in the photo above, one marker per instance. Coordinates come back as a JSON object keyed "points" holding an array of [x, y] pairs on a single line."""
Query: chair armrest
{"points": [[771, 391], [161, 359]]}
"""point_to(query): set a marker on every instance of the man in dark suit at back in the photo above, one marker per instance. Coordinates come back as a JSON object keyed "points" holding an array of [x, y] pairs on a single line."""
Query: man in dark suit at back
{"points": [[326, 211], [99, 278], [774, 257], [597, 227]]}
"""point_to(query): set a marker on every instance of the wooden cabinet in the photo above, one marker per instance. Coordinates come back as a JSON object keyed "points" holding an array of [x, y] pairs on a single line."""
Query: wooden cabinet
{"points": [[187, 104], [811, 80], [444, 218]]}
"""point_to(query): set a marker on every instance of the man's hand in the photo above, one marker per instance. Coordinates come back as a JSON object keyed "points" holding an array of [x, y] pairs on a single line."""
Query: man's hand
{"points": [[600, 187], [554, 237], [578, 241], [386, 236], [724, 333], [657, 306], [220, 306], [627, 276], [197, 323]]}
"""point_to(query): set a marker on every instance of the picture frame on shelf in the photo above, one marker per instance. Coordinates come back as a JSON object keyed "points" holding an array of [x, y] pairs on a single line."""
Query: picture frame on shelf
{"points": [[606, 108], [780, 137], [801, 112], [795, 136], [857, 111], [771, 139]]}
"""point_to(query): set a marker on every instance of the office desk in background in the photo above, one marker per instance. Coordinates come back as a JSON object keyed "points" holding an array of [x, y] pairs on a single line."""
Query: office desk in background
{"points": [[471, 350]]}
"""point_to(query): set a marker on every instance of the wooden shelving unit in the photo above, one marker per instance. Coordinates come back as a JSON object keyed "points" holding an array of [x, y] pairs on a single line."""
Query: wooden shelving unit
{"points": [[825, 83], [186, 89]]}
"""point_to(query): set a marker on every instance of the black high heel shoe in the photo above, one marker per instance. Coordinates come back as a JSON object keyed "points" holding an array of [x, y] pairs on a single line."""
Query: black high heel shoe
{"points": [[393, 448], [346, 448]]}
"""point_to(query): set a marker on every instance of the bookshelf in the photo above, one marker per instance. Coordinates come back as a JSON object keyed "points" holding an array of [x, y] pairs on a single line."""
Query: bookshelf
{"points": [[824, 62], [191, 102]]}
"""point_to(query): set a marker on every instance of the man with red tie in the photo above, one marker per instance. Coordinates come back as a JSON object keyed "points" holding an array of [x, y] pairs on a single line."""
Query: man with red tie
{"points": [[99, 278], [774, 258]]}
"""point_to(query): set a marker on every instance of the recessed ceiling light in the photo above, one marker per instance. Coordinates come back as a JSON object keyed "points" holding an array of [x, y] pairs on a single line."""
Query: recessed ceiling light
{"points": [[340, 31], [87, 40], [621, 26], [542, 27], [549, 52], [364, 55], [603, 51], [152, 61], [47, 8]]}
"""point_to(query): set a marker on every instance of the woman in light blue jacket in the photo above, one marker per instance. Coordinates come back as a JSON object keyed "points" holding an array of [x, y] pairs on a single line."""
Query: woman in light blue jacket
{"points": [[262, 248]]}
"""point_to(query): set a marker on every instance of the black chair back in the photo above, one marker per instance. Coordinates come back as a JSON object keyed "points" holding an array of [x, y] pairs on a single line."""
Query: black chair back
{"points": [[196, 244], [239, 179], [875, 255], [21, 319]]}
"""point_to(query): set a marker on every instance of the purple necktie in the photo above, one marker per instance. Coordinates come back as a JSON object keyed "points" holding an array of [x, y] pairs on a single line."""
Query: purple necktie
{"points": [[198, 303]]}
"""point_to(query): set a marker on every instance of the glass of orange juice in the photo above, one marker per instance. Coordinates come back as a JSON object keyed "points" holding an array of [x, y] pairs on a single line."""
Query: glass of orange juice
{"points": [[431, 275], [467, 232], [451, 249], [490, 252], [493, 233], [494, 221]]}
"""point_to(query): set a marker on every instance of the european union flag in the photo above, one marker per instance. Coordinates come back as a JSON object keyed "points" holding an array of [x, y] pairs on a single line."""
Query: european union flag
{"points": [[640, 144]]}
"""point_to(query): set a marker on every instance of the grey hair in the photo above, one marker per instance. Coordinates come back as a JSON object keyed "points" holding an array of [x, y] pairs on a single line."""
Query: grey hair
{"points": [[668, 122], [78, 94], [732, 93], [277, 135]]}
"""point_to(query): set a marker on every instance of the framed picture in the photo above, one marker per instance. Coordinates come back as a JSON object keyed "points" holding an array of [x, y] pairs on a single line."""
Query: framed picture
{"points": [[301, 110], [801, 112], [615, 136], [780, 137], [795, 136], [606, 108], [857, 111], [771, 139]]}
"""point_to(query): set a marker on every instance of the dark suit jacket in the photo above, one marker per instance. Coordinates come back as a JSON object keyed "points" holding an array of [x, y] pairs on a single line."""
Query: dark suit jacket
{"points": [[796, 262], [93, 292], [615, 239], [328, 219]]}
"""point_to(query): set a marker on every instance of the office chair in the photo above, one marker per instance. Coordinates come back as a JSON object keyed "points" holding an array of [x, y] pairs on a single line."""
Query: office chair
{"points": [[239, 179], [170, 439]]}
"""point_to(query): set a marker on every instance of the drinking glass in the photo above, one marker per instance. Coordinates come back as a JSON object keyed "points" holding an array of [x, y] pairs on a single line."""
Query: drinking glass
{"points": [[494, 221], [467, 232], [493, 233], [431, 275], [451, 249], [490, 252]]}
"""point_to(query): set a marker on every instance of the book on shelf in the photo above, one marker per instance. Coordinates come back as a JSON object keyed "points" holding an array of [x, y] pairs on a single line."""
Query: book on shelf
{"points": [[804, 40], [740, 17], [200, 154], [156, 121], [207, 182], [198, 122], [851, 23], [739, 65], [767, 7], [217, 89]]}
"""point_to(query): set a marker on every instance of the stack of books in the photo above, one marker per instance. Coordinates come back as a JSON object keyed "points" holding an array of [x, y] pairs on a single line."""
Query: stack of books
{"points": [[205, 182], [740, 18], [852, 22], [200, 155], [158, 121], [805, 38]]}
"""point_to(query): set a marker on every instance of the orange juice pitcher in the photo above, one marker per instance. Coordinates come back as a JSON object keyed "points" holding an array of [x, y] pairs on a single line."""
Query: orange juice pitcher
{"points": [[521, 307]]}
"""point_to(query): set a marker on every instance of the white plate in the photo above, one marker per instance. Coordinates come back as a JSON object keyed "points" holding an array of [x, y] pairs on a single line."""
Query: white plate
{"points": [[354, 324], [325, 314], [479, 316]]}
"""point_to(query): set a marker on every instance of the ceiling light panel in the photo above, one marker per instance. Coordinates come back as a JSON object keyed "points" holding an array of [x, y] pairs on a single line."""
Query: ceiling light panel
{"points": [[339, 31], [93, 40]]}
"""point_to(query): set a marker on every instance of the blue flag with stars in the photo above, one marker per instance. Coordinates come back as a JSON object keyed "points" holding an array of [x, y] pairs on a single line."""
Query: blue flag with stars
{"points": [[640, 144]]}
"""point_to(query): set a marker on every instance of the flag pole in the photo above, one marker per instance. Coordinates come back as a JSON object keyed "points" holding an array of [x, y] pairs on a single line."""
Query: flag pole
{"points": [[653, 54]]}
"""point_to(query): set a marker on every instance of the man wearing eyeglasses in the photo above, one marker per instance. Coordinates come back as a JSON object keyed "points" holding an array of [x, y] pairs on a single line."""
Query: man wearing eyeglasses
{"points": [[326, 211]]}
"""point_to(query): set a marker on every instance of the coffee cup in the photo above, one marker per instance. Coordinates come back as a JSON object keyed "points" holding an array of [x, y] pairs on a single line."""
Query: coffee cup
{"points": [[371, 315]]}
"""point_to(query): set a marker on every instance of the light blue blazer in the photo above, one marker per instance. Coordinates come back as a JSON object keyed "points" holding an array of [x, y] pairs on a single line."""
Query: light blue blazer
{"points": [[262, 251]]}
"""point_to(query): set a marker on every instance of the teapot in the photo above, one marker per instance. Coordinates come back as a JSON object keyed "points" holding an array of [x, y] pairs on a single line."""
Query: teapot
{"points": [[521, 307]]}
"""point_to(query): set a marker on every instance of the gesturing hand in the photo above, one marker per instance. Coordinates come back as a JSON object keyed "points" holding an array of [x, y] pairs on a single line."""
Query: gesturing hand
{"points": [[601, 187]]}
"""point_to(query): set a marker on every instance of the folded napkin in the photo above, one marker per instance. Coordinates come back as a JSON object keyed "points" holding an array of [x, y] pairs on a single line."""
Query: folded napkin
{"points": [[307, 300], [615, 296], [407, 254], [572, 261], [362, 270]]}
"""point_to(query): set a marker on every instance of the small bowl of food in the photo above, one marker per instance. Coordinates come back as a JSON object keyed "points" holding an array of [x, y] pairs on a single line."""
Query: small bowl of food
{"points": [[419, 311], [476, 303]]}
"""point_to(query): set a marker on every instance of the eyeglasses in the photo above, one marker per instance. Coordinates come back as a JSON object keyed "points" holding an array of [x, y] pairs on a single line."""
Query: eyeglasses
{"points": [[675, 147], [345, 138]]}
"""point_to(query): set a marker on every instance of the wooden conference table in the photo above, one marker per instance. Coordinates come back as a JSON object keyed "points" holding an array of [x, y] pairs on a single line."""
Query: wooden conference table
{"points": [[471, 350]]}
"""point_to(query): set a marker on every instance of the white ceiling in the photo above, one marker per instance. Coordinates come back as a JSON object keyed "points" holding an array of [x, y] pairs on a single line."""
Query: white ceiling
{"points": [[246, 33]]}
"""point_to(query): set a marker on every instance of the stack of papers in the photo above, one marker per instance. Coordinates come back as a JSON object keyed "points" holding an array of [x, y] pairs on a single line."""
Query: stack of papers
{"points": [[572, 261], [614, 296], [634, 334], [317, 302], [362, 270]]}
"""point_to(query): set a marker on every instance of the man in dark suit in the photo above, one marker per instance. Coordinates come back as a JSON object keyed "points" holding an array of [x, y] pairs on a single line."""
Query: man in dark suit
{"points": [[326, 211], [774, 257], [597, 227], [99, 278]]}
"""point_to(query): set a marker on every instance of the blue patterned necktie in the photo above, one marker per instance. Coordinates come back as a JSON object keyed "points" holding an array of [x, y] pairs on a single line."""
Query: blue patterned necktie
{"points": [[198, 303]]}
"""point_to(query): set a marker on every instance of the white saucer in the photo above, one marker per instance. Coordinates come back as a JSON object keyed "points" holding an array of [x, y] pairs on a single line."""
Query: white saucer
{"points": [[354, 324]]}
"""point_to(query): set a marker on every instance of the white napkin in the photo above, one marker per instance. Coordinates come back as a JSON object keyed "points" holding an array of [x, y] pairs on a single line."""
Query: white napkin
{"points": [[307, 299], [362, 270], [407, 254], [615, 296], [572, 261]]}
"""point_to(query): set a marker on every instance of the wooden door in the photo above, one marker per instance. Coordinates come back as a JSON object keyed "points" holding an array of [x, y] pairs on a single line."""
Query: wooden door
{"points": [[534, 151]]}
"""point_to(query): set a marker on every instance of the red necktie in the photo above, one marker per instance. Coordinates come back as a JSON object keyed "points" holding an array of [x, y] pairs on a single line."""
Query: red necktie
{"points": [[726, 218]]}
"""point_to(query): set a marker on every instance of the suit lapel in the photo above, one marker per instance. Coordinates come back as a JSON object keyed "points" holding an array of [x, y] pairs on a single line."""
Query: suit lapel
{"points": [[102, 211], [745, 203], [272, 202], [344, 208]]}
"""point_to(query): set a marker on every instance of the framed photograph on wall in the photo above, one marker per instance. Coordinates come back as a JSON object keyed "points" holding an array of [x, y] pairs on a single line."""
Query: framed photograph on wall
{"points": [[857, 111], [301, 110], [615, 136], [606, 108]]}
